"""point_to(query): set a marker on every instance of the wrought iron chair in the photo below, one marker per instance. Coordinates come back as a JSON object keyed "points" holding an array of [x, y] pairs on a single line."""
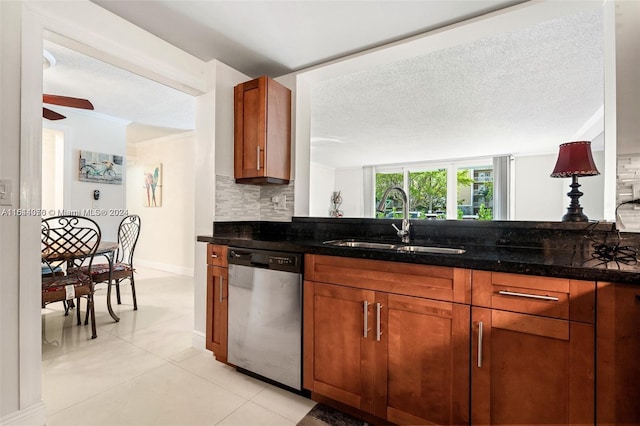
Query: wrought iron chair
{"points": [[122, 269], [67, 243]]}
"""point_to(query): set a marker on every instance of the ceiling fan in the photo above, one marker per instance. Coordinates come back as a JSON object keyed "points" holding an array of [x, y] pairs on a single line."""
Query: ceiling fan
{"points": [[62, 101]]}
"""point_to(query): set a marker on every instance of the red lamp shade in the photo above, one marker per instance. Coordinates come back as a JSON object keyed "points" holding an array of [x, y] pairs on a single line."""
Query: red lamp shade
{"points": [[574, 159]]}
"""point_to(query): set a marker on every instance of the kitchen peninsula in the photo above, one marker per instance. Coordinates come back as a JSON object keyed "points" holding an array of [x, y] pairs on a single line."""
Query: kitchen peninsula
{"points": [[527, 322]]}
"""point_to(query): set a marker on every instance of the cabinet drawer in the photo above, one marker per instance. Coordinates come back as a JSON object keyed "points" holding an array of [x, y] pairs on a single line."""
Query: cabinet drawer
{"points": [[217, 255], [544, 296], [434, 282]]}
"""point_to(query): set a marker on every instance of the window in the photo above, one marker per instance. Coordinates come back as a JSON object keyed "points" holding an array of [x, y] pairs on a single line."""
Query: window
{"points": [[475, 192], [428, 193], [458, 190], [393, 205]]}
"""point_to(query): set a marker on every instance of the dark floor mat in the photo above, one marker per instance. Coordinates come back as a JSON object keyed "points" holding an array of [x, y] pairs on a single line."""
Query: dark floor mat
{"points": [[321, 415]]}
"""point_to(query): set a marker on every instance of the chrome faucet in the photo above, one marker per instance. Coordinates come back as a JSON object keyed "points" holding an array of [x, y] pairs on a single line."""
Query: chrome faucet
{"points": [[404, 232]]}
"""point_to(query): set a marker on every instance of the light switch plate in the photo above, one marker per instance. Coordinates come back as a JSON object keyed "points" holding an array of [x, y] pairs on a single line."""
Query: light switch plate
{"points": [[6, 192]]}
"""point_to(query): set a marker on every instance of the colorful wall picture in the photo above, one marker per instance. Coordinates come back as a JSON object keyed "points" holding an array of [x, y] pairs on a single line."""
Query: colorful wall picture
{"points": [[99, 167], [153, 186]]}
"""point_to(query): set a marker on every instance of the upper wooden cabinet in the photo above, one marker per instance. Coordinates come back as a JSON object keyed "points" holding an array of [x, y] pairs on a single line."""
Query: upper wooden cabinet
{"points": [[262, 132]]}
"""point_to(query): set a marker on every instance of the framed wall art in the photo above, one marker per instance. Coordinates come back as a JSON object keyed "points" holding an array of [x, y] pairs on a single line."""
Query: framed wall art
{"points": [[101, 168], [153, 186]]}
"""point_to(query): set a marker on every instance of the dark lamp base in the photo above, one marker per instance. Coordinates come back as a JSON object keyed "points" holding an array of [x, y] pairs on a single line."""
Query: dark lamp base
{"points": [[574, 211], [575, 216]]}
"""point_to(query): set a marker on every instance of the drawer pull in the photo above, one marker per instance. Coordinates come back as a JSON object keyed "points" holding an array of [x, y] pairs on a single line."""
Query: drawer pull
{"points": [[528, 296], [378, 330], [365, 306], [480, 325], [214, 255]]}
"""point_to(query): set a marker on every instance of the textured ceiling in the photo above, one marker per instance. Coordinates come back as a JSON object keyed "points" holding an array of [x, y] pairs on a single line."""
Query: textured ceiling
{"points": [[115, 92], [276, 37], [523, 92]]}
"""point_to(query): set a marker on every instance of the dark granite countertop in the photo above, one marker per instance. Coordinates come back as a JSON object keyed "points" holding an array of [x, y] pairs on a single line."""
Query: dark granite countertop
{"points": [[536, 248]]}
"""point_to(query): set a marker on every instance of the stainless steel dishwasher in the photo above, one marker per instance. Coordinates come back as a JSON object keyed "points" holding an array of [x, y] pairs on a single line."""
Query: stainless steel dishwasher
{"points": [[265, 314]]}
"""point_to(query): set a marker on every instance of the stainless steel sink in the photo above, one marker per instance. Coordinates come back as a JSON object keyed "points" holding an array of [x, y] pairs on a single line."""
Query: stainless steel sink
{"points": [[397, 247], [426, 249], [361, 244]]}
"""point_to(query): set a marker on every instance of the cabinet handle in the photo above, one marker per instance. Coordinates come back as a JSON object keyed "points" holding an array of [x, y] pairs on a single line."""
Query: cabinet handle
{"points": [[378, 331], [214, 255], [480, 325], [527, 295], [221, 295], [258, 158], [365, 306]]}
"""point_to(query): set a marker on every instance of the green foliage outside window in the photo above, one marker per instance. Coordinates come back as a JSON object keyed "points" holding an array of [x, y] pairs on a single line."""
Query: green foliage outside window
{"points": [[485, 213], [427, 192]]}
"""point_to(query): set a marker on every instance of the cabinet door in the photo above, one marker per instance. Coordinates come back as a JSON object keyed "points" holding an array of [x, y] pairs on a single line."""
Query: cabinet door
{"points": [[426, 346], [618, 369], [217, 308], [249, 129], [531, 370], [339, 344]]}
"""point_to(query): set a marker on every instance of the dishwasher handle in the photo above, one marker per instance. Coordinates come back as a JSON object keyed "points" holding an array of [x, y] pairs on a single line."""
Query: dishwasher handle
{"points": [[248, 258], [276, 260], [238, 254]]}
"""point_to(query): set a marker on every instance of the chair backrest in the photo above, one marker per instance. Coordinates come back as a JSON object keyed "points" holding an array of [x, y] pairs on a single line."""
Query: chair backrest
{"points": [[68, 240], [128, 234]]}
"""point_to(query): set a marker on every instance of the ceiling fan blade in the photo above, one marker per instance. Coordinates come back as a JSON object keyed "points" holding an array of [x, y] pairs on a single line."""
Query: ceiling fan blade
{"points": [[51, 115], [67, 101]]}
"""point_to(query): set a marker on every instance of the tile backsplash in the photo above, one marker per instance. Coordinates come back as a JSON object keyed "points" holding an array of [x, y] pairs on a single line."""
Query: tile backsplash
{"points": [[252, 202], [628, 188]]}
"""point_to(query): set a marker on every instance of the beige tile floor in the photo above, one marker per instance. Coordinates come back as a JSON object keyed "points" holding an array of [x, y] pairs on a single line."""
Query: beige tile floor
{"points": [[143, 370]]}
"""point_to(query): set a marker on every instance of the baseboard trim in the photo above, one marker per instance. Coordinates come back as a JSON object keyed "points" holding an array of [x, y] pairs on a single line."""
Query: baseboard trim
{"points": [[199, 340], [175, 269], [30, 416]]}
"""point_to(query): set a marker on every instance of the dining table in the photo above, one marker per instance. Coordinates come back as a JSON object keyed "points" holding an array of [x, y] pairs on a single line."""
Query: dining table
{"points": [[105, 248], [108, 250]]}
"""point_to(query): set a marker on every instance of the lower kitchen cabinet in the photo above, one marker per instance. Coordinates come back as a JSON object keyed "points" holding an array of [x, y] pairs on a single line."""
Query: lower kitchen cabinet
{"points": [[531, 370], [338, 358], [424, 361], [401, 358], [618, 354], [217, 308], [533, 350]]}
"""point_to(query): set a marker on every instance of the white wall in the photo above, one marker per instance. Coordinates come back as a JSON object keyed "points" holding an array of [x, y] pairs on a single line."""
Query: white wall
{"points": [[226, 79], [11, 352], [322, 185], [350, 183], [52, 169], [98, 134], [539, 197], [166, 237], [100, 34], [627, 72]]}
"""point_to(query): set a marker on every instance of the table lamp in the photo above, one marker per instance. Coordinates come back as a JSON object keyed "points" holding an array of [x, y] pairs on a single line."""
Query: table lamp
{"points": [[574, 159]]}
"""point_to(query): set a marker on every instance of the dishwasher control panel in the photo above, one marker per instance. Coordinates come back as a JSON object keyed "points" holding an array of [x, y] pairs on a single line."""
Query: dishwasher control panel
{"points": [[281, 261]]}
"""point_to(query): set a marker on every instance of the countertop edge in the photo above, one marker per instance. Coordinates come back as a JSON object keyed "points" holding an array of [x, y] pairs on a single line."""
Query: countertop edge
{"points": [[486, 261]]}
